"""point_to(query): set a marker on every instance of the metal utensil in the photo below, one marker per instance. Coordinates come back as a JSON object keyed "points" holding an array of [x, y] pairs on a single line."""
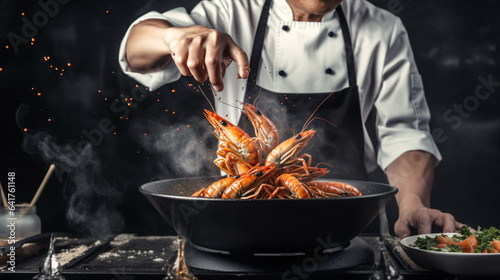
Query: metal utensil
{"points": [[179, 269], [50, 269], [391, 268]]}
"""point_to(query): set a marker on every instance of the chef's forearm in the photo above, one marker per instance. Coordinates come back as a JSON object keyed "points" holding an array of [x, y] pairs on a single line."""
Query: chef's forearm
{"points": [[412, 173], [147, 48]]}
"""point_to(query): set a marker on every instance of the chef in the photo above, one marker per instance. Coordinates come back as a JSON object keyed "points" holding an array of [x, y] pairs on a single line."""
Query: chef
{"points": [[289, 56]]}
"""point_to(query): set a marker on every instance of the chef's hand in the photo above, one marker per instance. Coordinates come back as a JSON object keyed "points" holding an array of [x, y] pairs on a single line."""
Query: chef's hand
{"points": [[202, 52], [196, 50], [423, 220], [412, 173]]}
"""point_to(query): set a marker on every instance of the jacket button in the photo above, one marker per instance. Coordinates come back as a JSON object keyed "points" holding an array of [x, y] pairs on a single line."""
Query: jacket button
{"points": [[332, 34], [285, 27], [330, 71], [282, 73]]}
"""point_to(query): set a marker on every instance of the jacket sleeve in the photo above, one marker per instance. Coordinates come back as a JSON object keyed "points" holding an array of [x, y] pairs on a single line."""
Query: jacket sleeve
{"points": [[403, 115]]}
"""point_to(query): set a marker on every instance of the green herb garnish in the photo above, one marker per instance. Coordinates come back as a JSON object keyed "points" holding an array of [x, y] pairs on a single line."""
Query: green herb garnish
{"points": [[483, 237]]}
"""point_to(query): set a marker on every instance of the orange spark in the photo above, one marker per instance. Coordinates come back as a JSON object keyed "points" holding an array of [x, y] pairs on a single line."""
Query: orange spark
{"points": [[173, 90], [49, 120], [39, 93], [22, 14], [69, 64], [25, 129], [7, 46]]}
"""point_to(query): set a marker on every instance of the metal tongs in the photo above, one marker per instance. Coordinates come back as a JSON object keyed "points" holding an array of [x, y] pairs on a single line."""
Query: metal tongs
{"points": [[50, 269], [179, 269], [386, 268]]}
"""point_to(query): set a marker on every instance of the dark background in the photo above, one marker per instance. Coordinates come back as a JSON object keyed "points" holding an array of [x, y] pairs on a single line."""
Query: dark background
{"points": [[104, 149]]}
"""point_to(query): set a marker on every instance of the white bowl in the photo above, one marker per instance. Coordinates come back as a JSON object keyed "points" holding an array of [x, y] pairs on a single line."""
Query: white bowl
{"points": [[466, 264]]}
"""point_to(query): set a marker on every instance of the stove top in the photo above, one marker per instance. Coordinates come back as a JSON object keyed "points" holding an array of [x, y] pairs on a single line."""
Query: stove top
{"points": [[127, 256], [356, 254]]}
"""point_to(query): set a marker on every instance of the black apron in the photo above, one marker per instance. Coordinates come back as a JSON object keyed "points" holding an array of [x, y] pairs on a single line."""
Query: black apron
{"points": [[342, 145]]}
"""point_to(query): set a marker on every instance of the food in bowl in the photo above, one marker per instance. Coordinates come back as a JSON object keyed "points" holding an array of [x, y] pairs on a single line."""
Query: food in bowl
{"points": [[480, 241]]}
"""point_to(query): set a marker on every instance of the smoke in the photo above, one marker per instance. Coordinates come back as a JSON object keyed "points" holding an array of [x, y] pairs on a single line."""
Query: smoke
{"points": [[183, 149], [92, 201]]}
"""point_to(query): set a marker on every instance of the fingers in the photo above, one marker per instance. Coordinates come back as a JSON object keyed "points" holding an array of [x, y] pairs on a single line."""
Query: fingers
{"points": [[195, 61], [180, 55], [402, 229], [205, 53], [449, 223], [424, 221], [240, 57], [213, 61], [423, 218]]}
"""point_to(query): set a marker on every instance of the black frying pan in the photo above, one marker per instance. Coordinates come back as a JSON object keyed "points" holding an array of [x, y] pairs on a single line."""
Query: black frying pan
{"points": [[265, 226]]}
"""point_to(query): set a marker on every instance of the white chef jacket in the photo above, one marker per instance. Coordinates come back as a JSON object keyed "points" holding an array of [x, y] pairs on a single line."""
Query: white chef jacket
{"points": [[385, 68]]}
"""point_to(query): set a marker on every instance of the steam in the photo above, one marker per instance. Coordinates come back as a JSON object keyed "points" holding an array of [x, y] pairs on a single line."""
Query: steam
{"points": [[92, 201], [183, 149]]}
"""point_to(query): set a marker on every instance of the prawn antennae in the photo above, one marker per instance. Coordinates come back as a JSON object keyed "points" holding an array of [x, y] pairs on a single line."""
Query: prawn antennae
{"points": [[230, 105], [324, 164], [318, 118], [255, 100], [310, 117], [213, 109], [288, 128]]}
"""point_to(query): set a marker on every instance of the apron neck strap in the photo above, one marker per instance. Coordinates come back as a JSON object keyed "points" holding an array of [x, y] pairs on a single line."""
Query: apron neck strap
{"points": [[349, 51], [258, 42], [261, 33]]}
